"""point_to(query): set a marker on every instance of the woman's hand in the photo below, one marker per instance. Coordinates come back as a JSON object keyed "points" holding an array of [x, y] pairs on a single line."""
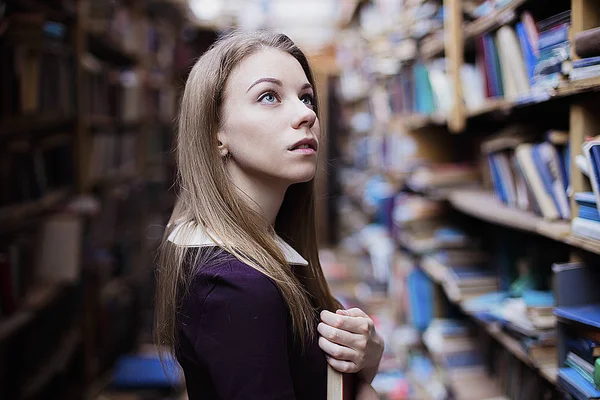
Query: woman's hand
{"points": [[351, 342]]}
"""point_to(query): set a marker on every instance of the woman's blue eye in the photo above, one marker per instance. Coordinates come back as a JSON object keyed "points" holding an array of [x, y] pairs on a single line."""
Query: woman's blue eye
{"points": [[308, 100], [268, 98]]}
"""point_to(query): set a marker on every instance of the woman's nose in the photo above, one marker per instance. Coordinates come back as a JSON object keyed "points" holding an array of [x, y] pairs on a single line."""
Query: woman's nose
{"points": [[303, 115]]}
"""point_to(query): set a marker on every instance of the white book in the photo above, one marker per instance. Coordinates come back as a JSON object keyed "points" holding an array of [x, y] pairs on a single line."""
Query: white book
{"points": [[511, 61], [544, 200], [586, 228]]}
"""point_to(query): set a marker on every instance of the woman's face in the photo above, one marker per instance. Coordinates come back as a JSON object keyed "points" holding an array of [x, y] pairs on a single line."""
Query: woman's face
{"points": [[269, 124]]}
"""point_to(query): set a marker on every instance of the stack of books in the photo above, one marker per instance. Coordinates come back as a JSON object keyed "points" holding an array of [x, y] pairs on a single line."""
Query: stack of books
{"points": [[517, 60], [587, 222], [469, 280], [421, 89], [531, 176], [578, 314], [554, 50], [440, 177], [586, 46]]}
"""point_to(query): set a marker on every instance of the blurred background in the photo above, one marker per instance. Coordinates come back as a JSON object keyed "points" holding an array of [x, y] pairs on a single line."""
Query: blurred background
{"points": [[458, 191]]}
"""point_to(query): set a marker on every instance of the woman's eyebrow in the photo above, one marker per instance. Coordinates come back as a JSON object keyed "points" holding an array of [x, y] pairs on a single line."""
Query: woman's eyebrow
{"points": [[271, 80], [306, 86]]}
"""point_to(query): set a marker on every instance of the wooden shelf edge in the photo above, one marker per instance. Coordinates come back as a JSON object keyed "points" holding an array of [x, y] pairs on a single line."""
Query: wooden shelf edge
{"points": [[38, 298], [57, 363], [106, 49], [492, 21], [433, 268], [33, 122], [484, 205], [11, 215]]}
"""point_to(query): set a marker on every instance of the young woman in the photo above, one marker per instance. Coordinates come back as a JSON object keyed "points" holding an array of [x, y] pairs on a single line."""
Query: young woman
{"points": [[241, 298]]}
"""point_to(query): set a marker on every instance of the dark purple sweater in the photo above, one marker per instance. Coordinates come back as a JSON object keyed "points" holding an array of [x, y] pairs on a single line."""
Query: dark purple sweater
{"points": [[236, 342]]}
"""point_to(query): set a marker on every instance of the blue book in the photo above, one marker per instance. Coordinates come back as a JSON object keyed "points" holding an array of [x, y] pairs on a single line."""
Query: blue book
{"points": [[583, 347], [463, 359], [498, 184], [565, 165], [423, 91], [527, 50], [553, 36], [492, 64], [144, 372], [589, 212], [588, 314], [471, 273], [585, 199], [420, 290], [538, 298], [586, 62], [543, 170], [576, 385]]}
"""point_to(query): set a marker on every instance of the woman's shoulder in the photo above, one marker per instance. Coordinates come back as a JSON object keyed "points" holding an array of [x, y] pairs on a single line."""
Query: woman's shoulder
{"points": [[228, 278]]}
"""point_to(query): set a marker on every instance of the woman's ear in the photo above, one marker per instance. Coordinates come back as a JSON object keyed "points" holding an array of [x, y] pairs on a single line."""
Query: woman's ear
{"points": [[222, 145]]}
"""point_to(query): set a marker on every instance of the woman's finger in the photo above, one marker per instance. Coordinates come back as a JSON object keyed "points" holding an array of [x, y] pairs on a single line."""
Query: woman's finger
{"points": [[336, 351], [354, 312], [343, 366], [362, 326], [341, 337]]}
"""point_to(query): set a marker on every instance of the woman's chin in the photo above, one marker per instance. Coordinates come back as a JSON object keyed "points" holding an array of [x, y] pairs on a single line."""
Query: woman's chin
{"points": [[302, 176]]}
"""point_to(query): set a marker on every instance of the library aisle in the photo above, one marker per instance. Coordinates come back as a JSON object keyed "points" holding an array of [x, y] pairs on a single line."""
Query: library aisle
{"points": [[458, 193]]}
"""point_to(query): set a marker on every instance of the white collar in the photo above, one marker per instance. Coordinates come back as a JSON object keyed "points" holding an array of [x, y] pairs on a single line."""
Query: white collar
{"points": [[197, 237]]}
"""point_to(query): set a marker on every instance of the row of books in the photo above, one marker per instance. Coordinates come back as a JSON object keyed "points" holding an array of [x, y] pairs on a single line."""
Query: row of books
{"points": [[112, 154], [134, 31], [47, 255], [125, 95], [585, 45], [37, 67], [578, 313], [513, 61], [28, 173], [587, 221], [421, 88], [530, 176]]}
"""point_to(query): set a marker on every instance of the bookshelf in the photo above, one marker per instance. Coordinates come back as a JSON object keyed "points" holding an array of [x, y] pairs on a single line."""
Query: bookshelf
{"points": [[437, 272], [81, 71], [557, 103]]}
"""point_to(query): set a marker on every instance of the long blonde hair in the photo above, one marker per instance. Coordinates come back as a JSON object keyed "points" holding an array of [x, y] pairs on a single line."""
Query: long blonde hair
{"points": [[208, 200]]}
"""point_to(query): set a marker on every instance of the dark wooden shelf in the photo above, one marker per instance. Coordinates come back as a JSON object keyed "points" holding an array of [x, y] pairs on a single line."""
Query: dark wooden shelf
{"points": [[108, 50], [16, 215], [30, 123], [57, 363], [38, 298], [492, 21], [55, 14]]}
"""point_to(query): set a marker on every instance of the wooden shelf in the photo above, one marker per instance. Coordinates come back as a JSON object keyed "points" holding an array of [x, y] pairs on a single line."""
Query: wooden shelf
{"points": [[55, 14], [493, 20], [490, 106], [37, 299], [36, 122], [436, 271], [12, 216], [503, 106], [55, 365], [433, 46], [484, 205], [106, 49], [418, 121]]}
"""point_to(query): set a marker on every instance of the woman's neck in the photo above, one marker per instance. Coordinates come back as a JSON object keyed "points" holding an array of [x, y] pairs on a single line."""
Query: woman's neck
{"points": [[262, 195]]}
